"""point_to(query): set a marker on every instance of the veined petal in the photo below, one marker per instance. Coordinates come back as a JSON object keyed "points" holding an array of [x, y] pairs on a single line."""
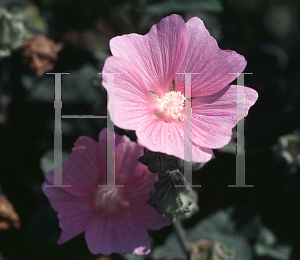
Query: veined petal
{"points": [[126, 167], [85, 167], [105, 215], [145, 216], [158, 55], [129, 98], [117, 234], [206, 58], [139, 185], [159, 136], [75, 213], [214, 116], [129, 171]]}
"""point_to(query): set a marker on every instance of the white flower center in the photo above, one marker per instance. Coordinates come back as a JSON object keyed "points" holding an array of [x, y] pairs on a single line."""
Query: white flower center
{"points": [[170, 105]]}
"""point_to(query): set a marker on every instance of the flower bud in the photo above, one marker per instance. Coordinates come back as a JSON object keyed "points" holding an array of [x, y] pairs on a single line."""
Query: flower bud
{"points": [[169, 199], [159, 162]]}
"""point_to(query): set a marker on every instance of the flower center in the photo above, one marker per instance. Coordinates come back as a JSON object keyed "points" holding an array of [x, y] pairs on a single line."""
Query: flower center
{"points": [[108, 199], [170, 105]]}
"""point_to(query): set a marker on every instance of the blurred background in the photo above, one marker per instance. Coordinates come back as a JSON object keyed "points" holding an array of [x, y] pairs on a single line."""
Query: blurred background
{"points": [[260, 223]]}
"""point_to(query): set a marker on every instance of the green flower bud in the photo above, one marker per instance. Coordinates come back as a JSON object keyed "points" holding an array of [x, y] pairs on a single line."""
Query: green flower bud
{"points": [[169, 199]]}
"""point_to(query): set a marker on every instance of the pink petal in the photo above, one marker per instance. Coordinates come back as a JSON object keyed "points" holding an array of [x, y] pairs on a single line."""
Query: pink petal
{"points": [[215, 131], [135, 177], [145, 216], [206, 58], [119, 140], [159, 136], [158, 55], [129, 171], [75, 213], [130, 93], [128, 168], [84, 168], [139, 184], [116, 234]]}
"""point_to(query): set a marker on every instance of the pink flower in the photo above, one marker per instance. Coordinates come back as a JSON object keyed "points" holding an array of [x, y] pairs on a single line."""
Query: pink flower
{"points": [[113, 219], [149, 94]]}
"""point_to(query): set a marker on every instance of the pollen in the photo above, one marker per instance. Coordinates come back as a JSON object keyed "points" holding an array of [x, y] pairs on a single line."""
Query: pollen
{"points": [[170, 106]]}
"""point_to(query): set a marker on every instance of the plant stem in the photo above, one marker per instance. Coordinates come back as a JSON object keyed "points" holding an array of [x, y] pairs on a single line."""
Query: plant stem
{"points": [[183, 240]]}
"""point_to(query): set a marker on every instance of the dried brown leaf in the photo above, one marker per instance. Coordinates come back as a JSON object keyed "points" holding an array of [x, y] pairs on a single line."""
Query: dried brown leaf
{"points": [[8, 216], [40, 54]]}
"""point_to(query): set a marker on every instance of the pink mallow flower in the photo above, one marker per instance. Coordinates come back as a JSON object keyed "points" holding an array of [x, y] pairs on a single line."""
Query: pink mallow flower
{"points": [[114, 219], [149, 95]]}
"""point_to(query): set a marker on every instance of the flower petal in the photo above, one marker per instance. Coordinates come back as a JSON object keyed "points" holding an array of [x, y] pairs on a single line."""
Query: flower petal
{"points": [[214, 116], [75, 213], [129, 172], [146, 217], [159, 136], [139, 184], [116, 234], [129, 96], [85, 167], [206, 58], [158, 55]]}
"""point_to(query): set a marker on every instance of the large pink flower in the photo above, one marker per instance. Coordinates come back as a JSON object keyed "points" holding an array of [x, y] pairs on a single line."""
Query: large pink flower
{"points": [[113, 219], [149, 94]]}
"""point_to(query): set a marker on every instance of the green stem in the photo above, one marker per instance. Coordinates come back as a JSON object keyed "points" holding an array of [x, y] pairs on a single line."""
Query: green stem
{"points": [[181, 235]]}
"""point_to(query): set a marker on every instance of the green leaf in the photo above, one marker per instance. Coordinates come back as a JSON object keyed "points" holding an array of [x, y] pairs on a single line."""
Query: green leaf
{"points": [[267, 246], [12, 32], [76, 87], [134, 257], [218, 226], [47, 160]]}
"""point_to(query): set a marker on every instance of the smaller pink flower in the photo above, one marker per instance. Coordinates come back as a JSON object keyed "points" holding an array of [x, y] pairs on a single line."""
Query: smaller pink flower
{"points": [[115, 220]]}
